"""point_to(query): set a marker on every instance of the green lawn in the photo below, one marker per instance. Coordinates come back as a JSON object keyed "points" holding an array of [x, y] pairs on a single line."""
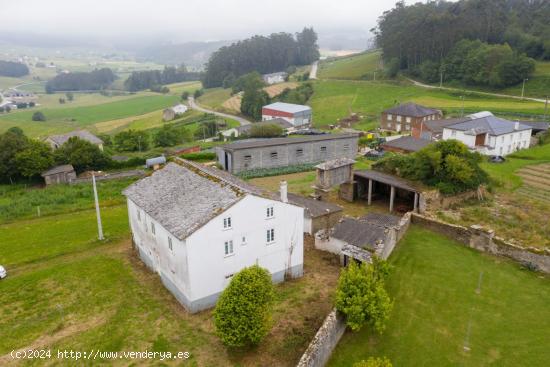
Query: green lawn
{"points": [[334, 99], [359, 66], [214, 98], [68, 118], [438, 310]]}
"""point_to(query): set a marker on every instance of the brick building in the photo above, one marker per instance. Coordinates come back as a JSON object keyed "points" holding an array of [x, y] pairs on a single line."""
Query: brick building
{"points": [[406, 117]]}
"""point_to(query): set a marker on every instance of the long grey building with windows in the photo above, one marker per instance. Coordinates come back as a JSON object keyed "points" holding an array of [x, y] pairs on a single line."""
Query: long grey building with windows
{"points": [[280, 152]]}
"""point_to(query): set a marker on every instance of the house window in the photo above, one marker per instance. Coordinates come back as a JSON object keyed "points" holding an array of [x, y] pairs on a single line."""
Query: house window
{"points": [[398, 118], [228, 248], [323, 150], [390, 117], [270, 235], [346, 147], [139, 216], [408, 119], [247, 158], [152, 228], [407, 127], [243, 240], [299, 152], [453, 133], [227, 223], [269, 213], [170, 243], [274, 156]]}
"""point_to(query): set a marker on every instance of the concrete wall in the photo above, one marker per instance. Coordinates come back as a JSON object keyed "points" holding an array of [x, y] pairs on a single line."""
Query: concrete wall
{"points": [[290, 154], [485, 240], [319, 350]]}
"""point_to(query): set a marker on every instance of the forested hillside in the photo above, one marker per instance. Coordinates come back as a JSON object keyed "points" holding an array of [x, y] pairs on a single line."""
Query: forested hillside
{"points": [[479, 42], [140, 80], [13, 69], [262, 54]]}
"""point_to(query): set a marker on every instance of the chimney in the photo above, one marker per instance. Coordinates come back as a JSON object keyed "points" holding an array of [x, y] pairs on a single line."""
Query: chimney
{"points": [[516, 125], [284, 190]]}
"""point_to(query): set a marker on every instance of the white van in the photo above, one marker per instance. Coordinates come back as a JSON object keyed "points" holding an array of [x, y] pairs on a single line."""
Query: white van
{"points": [[3, 272]]}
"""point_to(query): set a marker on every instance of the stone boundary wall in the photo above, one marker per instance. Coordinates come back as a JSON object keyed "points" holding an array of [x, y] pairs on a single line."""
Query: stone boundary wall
{"points": [[320, 349], [485, 240]]}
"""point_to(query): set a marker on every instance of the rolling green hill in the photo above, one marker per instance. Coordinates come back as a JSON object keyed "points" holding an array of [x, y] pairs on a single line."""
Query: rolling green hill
{"points": [[354, 67]]}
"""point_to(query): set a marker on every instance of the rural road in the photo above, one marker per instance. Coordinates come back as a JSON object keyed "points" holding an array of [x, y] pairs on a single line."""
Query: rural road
{"points": [[313, 71], [419, 84], [195, 106]]}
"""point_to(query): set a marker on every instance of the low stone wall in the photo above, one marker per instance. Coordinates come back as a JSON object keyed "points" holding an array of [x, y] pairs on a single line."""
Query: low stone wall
{"points": [[485, 240], [319, 350]]}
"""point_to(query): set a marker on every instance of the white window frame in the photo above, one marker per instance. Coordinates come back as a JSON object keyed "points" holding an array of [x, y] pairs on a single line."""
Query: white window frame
{"points": [[270, 236], [270, 212], [228, 248], [398, 118], [407, 119], [243, 240], [227, 223]]}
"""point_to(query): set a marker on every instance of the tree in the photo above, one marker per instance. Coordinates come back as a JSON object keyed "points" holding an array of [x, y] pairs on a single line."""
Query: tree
{"points": [[38, 116], [243, 314], [185, 96], [392, 67], [361, 296], [70, 96], [61, 100], [131, 141], [34, 159], [198, 93], [13, 69], [248, 81], [97, 79], [12, 142], [374, 362], [167, 136], [252, 102], [265, 131], [81, 154]]}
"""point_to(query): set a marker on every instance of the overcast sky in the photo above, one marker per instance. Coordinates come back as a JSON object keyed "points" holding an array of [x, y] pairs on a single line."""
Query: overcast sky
{"points": [[186, 20]]}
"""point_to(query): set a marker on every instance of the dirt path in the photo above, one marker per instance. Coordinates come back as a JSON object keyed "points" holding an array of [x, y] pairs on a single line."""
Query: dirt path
{"points": [[313, 71], [195, 106]]}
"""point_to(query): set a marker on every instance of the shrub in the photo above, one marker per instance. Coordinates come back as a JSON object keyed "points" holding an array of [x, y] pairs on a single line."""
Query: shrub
{"points": [[265, 131], [199, 156], [374, 362], [38, 116], [267, 172], [361, 296], [243, 314]]}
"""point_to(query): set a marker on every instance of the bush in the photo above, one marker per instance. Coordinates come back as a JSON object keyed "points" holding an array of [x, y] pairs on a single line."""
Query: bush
{"points": [[265, 131], [199, 156], [131, 140], [243, 314], [82, 154], [38, 116], [361, 296], [267, 172]]}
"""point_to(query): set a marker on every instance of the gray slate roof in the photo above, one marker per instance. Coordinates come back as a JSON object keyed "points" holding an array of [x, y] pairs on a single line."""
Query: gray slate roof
{"points": [[58, 169], [278, 121], [288, 107], [387, 179], [82, 134], [335, 163], [490, 124], [436, 126], [315, 208], [359, 233], [537, 125], [255, 143], [182, 199], [381, 220], [407, 143], [411, 109]]}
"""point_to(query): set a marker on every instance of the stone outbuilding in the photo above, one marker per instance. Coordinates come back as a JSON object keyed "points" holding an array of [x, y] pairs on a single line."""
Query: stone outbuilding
{"points": [[318, 214], [59, 174]]}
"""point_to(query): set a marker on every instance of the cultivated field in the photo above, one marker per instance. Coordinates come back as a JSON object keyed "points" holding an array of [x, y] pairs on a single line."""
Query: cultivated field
{"points": [[354, 67], [454, 306]]}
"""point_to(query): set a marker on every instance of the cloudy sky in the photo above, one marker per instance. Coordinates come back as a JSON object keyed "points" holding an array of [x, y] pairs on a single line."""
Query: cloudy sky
{"points": [[185, 20]]}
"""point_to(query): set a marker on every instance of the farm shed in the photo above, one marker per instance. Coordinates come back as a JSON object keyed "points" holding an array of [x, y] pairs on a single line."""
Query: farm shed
{"points": [[297, 115], [317, 214], [405, 145], [59, 174]]}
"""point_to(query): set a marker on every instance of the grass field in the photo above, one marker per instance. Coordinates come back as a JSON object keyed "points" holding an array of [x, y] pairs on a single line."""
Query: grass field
{"points": [[68, 118], [447, 297], [334, 99], [214, 98], [354, 67]]}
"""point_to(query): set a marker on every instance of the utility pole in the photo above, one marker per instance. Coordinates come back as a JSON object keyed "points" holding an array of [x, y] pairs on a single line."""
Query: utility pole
{"points": [[462, 110], [523, 87], [545, 107], [99, 226], [374, 76]]}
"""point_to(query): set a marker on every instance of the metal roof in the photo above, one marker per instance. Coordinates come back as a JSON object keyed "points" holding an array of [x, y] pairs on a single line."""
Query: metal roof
{"points": [[407, 143], [412, 109], [255, 143], [58, 169], [288, 107], [315, 208], [387, 179], [489, 124]]}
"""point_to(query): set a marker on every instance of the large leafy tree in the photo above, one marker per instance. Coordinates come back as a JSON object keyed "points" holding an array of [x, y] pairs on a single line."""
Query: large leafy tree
{"points": [[12, 142], [81, 154], [243, 314], [361, 295], [34, 159], [131, 140], [252, 102]]}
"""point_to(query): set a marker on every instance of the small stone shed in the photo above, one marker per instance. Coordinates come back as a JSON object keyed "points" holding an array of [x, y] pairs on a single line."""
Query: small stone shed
{"points": [[59, 174], [334, 172], [374, 185], [318, 214]]}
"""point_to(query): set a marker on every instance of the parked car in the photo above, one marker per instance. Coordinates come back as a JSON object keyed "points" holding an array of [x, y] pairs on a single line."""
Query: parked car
{"points": [[3, 272], [497, 159]]}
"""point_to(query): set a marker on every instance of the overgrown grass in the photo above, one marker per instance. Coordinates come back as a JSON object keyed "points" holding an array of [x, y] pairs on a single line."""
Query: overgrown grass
{"points": [[21, 202], [266, 172], [214, 98], [354, 67], [448, 297]]}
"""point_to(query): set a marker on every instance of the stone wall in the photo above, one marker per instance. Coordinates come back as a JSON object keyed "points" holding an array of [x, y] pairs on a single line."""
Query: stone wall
{"points": [[485, 240], [319, 350]]}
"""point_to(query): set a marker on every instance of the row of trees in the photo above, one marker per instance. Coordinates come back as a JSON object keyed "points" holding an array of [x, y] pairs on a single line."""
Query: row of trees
{"points": [[262, 54], [97, 79], [153, 79], [420, 32], [13, 69]]}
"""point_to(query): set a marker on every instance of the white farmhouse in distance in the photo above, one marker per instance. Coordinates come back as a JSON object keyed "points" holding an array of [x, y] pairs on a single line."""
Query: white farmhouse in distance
{"points": [[275, 78], [197, 226], [490, 135]]}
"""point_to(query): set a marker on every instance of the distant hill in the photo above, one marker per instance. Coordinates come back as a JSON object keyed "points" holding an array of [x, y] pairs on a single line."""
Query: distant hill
{"points": [[192, 54]]}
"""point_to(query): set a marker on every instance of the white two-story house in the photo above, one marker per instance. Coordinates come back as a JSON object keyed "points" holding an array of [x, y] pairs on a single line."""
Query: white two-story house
{"points": [[197, 226], [490, 135]]}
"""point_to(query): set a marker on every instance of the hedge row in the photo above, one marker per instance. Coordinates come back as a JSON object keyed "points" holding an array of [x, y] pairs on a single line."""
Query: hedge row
{"points": [[266, 172]]}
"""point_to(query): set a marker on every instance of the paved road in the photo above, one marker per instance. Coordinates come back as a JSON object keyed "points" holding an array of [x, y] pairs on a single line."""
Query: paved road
{"points": [[195, 106], [313, 71], [419, 84]]}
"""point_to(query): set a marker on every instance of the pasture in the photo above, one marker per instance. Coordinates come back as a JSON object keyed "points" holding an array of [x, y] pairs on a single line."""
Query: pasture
{"points": [[455, 306], [353, 67]]}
